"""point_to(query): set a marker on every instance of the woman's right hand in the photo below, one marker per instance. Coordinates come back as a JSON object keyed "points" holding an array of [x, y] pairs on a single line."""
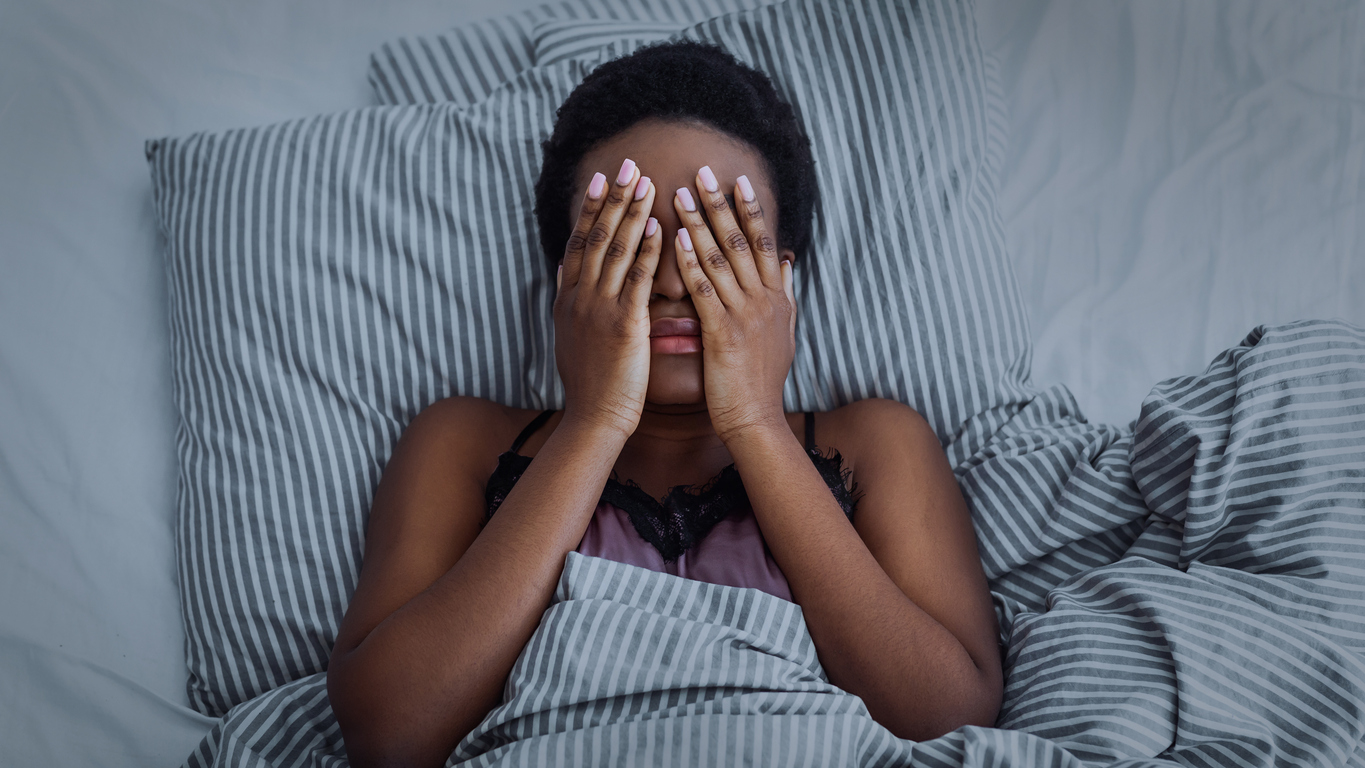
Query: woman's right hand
{"points": [[601, 312]]}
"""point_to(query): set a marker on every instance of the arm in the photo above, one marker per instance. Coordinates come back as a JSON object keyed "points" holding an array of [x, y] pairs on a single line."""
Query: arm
{"points": [[898, 608], [900, 615], [442, 609]]}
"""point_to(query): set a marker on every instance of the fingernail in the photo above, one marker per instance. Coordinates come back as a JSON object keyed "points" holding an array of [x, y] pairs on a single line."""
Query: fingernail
{"points": [[746, 190], [686, 239], [686, 198], [651, 226], [641, 187], [627, 170], [708, 179], [559, 275], [786, 262], [599, 182]]}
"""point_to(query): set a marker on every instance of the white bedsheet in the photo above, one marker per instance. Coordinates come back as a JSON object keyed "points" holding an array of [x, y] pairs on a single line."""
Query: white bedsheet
{"points": [[91, 657], [1177, 173]]}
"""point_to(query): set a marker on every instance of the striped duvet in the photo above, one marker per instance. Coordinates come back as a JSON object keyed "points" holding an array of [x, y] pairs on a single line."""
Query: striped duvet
{"points": [[1190, 591]]}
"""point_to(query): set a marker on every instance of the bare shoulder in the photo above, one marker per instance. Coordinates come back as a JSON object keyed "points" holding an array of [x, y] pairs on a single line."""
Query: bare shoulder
{"points": [[475, 414], [474, 429], [866, 429]]}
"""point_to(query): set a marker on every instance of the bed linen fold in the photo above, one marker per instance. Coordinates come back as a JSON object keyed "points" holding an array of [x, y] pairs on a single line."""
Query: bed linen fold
{"points": [[1184, 591]]}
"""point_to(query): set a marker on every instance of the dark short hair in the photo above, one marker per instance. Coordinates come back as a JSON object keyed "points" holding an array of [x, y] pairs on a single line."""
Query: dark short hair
{"points": [[686, 81]]}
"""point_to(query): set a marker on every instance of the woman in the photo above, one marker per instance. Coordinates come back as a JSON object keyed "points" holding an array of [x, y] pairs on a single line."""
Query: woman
{"points": [[674, 323]]}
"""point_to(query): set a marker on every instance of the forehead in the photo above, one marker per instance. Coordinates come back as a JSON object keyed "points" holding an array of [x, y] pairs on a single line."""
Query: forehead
{"points": [[671, 151]]}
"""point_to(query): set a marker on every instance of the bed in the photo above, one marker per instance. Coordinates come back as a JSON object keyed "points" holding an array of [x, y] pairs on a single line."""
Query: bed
{"points": [[1223, 179]]}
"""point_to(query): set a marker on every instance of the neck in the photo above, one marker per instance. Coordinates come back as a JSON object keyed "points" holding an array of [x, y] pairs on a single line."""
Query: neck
{"points": [[672, 445], [671, 432]]}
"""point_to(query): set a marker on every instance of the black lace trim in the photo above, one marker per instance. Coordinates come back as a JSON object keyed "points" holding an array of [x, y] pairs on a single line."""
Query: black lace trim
{"points": [[687, 513]]}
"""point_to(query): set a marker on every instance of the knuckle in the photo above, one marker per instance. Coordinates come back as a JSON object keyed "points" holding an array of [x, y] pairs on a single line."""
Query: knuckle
{"points": [[616, 250], [718, 204], [736, 241], [705, 289], [598, 235], [753, 210], [637, 276], [717, 260], [766, 242], [616, 197], [577, 242]]}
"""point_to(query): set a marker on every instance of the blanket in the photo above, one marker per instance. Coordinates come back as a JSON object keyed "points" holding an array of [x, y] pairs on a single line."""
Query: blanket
{"points": [[1188, 590]]}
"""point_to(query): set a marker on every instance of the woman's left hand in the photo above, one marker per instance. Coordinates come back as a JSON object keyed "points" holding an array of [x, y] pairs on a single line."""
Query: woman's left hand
{"points": [[743, 296]]}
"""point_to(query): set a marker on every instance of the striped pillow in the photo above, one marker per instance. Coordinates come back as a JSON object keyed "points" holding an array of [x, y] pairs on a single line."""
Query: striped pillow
{"points": [[466, 63], [332, 276], [557, 40]]}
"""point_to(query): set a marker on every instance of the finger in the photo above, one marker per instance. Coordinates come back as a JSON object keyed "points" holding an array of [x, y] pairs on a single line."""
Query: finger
{"points": [[578, 237], [621, 253], [617, 199], [559, 277], [733, 242], [639, 280], [788, 285], [711, 258], [756, 230], [709, 307]]}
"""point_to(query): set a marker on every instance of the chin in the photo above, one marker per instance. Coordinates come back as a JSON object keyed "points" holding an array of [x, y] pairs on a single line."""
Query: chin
{"points": [[675, 380]]}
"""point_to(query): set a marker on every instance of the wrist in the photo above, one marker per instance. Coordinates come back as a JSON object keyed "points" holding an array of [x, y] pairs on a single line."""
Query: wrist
{"points": [[759, 429], [598, 429]]}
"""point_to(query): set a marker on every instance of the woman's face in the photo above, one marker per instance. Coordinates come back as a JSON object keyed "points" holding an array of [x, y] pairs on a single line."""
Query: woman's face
{"points": [[670, 153]]}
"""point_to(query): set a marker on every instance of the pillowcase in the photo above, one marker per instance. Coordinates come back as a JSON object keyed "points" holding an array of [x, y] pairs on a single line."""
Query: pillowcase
{"points": [[331, 277], [555, 41], [465, 64]]}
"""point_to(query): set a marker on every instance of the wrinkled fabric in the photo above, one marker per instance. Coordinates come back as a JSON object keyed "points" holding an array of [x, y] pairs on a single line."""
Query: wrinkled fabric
{"points": [[1185, 593]]}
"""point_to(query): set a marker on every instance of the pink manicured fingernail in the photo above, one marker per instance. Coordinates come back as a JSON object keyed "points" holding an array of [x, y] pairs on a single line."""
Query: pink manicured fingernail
{"points": [[599, 182], [641, 188], [650, 226], [686, 239], [708, 179], [686, 198], [627, 170], [746, 190]]}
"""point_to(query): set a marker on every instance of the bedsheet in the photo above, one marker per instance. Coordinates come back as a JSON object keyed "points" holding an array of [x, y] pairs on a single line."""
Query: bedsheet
{"points": [[92, 668], [1177, 172], [1225, 174], [1186, 594]]}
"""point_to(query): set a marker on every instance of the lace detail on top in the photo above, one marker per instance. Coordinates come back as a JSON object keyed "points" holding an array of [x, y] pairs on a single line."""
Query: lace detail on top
{"points": [[687, 513]]}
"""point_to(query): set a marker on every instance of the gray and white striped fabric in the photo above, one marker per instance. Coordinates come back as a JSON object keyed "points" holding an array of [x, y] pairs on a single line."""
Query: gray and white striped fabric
{"points": [[1218, 620], [464, 64], [330, 277]]}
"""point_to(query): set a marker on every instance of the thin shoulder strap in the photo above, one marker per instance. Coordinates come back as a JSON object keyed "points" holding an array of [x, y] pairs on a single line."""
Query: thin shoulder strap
{"points": [[810, 430], [531, 428]]}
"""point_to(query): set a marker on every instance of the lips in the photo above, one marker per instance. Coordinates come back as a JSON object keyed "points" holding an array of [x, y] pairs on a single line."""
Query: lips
{"points": [[674, 326], [675, 336]]}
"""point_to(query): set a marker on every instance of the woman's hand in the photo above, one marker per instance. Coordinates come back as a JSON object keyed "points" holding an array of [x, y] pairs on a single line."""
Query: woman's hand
{"points": [[743, 296], [601, 312]]}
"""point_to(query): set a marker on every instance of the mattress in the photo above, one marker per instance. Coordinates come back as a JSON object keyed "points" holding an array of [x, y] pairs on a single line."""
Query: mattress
{"points": [[1177, 173]]}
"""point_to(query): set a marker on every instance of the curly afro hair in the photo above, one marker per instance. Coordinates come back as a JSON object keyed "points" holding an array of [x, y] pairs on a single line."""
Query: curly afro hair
{"points": [[686, 81]]}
